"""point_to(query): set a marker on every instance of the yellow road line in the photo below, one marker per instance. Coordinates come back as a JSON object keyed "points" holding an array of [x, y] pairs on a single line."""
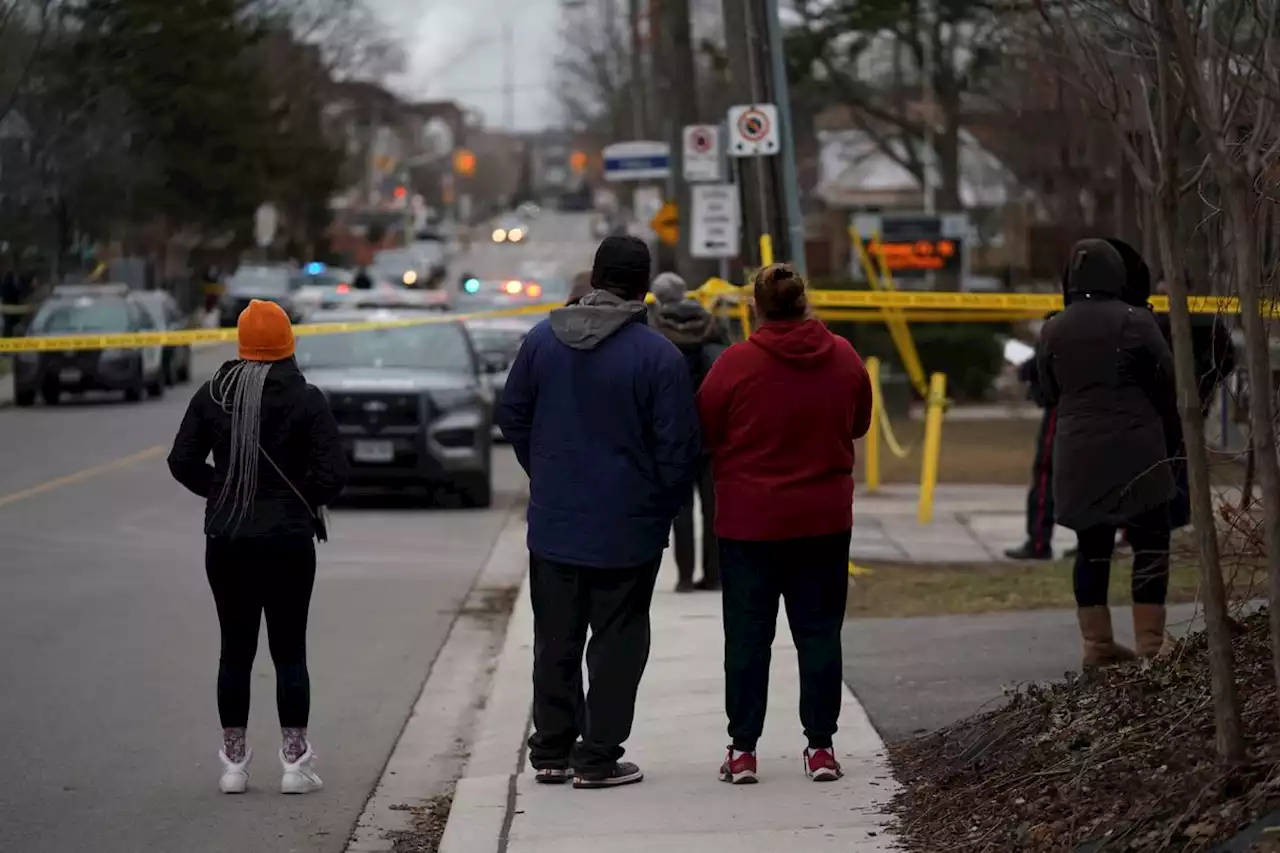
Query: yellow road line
{"points": [[86, 474]]}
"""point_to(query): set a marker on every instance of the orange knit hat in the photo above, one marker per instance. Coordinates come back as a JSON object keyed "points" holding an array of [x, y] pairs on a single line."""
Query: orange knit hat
{"points": [[265, 332]]}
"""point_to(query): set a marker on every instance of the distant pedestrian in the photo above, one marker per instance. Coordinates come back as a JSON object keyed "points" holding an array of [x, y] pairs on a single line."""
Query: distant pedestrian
{"points": [[1040, 517], [1109, 372], [599, 409], [701, 338], [277, 461], [780, 413]]}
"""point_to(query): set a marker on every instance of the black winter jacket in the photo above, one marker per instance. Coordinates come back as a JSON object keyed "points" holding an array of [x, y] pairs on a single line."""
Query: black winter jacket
{"points": [[695, 331], [297, 430], [1107, 369]]}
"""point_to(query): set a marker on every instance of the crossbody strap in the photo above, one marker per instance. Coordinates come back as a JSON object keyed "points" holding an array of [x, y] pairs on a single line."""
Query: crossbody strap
{"points": [[288, 482]]}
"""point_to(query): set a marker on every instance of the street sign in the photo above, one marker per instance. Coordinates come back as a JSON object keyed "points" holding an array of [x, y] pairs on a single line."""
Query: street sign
{"points": [[637, 161], [265, 222], [753, 130], [702, 153], [915, 245], [666, 224], [714, 226]]}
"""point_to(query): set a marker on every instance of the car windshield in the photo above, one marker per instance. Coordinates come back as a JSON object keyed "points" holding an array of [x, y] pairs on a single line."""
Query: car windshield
{"points": [[399, 260], [441, 346], [261, 280], [502, 341], [80, 316]]}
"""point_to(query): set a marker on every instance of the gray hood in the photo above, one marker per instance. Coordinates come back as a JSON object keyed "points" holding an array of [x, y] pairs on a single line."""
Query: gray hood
{"points": [[599, 315]]}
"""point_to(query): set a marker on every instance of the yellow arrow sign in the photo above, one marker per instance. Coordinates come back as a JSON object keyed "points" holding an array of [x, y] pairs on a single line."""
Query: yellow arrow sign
{"points": [[666, 224]]}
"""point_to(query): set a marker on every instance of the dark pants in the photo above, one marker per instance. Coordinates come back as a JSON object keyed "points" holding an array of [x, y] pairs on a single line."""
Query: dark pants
{"points": [[684, 534], [250, 578], [811, 575], [614, 604], [1148, 534], [1040, 518]]}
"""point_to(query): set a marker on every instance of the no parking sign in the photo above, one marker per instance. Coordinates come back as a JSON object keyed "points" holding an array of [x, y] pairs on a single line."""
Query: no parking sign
{"points": [[753, 130]]}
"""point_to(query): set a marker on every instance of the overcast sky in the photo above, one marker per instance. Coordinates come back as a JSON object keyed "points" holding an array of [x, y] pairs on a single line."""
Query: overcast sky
{"points": [[455, 50]]}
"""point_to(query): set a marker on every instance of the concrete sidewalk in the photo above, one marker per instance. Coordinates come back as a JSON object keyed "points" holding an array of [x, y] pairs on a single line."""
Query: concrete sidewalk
{"points": [[679, 741]]}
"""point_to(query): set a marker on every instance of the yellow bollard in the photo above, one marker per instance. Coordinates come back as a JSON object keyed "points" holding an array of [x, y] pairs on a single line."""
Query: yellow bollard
{"points": [[766, 250], [872, 446], [932, 446]]}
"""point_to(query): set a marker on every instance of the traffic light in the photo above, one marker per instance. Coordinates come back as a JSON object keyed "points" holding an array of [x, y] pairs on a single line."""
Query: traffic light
{"points": [[464, 162], [578, 160], [401, 192]]}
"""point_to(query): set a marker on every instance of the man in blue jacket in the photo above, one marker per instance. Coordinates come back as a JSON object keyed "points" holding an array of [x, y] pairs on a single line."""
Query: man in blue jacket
{"points": [[600, 411]]}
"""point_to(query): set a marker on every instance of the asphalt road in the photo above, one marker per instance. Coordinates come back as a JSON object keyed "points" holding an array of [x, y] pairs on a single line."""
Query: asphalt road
{"points": [[108, 639]]}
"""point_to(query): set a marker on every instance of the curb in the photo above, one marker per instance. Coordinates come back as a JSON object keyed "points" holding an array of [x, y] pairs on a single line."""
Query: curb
{"points": [[483, 798], [430, 751]]}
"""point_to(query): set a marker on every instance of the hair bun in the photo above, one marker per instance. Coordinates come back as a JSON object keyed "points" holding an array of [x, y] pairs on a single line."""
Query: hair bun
{"points": [[780, 293]]}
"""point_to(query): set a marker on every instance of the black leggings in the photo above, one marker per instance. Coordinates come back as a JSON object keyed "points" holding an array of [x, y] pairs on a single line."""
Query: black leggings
{"points": [[1148, 534], [250, 577]]}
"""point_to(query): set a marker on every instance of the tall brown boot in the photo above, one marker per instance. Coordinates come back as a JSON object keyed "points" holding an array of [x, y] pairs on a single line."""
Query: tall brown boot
{"points": [[1100, 646], [1152, 639]]}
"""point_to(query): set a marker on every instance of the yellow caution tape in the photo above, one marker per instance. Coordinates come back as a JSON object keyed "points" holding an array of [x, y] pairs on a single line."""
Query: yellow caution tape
{"points": [[1028, 302], [204, 336], [891, 440], [858, 571]]}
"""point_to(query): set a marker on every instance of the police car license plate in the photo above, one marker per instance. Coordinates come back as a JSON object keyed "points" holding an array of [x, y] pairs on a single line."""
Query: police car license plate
{"points": [[374, 451]]}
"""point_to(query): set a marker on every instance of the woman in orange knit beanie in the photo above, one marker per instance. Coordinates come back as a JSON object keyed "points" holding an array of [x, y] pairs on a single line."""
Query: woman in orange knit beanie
{"points": [[277, 461]]}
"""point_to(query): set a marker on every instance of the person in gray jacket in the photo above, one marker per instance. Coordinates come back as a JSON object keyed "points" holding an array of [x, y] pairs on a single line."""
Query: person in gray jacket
{"points": [[700, 337]]}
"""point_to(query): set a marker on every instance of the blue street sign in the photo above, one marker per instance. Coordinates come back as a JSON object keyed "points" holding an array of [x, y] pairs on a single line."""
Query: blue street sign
{"points": [[637, 161]]}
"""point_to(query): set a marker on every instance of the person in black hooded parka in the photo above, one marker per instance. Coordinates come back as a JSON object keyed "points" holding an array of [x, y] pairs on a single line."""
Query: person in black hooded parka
{"points": [[1106, 367]]}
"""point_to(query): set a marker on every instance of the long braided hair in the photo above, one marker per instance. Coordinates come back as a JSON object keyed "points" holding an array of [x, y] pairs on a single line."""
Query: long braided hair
{"points": [[238, 391]]}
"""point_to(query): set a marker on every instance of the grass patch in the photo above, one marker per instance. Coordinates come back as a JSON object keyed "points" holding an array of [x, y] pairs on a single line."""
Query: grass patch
{"points": [[999, 451], [897, 590]]}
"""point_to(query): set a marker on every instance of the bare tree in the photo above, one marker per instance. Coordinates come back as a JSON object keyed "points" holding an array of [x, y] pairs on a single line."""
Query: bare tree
{"points": [[1226, 56]]}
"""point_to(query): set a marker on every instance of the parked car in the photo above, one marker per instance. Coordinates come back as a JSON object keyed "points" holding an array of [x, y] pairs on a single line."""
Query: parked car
{"points": [[89, 310], [175, 360], [497, 340], [411, 267], [272, 283], [412, 404]]}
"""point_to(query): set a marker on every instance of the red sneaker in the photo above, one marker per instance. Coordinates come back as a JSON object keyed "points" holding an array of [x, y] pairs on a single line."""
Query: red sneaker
{"points": [[820, 765], [739, 768]]}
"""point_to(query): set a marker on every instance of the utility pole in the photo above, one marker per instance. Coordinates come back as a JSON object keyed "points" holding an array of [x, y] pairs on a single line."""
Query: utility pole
{"points": [[681, 76], [745, 88], [927, 30], [790, 181], [639, 97], [509, 77]]}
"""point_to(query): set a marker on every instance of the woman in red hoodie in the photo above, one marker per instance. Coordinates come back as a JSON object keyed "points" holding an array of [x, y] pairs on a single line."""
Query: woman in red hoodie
{"points": [[780, 413]]}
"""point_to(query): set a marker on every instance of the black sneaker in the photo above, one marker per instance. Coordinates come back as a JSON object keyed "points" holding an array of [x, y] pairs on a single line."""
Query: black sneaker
{"points": [[622, 773], [685, 586], [706, 585], [1027, 551], [553, 775]]}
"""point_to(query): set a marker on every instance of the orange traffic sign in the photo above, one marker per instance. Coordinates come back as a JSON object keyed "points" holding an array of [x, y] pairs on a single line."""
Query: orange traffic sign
{"points": [[666, 224]]}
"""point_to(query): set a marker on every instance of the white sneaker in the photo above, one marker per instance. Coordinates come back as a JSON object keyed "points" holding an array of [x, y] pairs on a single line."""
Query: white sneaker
{"points": [[235, 775], [300, 776]]}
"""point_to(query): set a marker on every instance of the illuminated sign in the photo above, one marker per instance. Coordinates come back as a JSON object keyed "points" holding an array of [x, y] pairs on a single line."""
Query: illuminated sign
{"points": [[918, 256], [916, 246]]}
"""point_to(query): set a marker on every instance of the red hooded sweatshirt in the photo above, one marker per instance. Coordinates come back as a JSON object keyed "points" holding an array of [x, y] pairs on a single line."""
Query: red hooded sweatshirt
{"points": [[780, 412]]}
